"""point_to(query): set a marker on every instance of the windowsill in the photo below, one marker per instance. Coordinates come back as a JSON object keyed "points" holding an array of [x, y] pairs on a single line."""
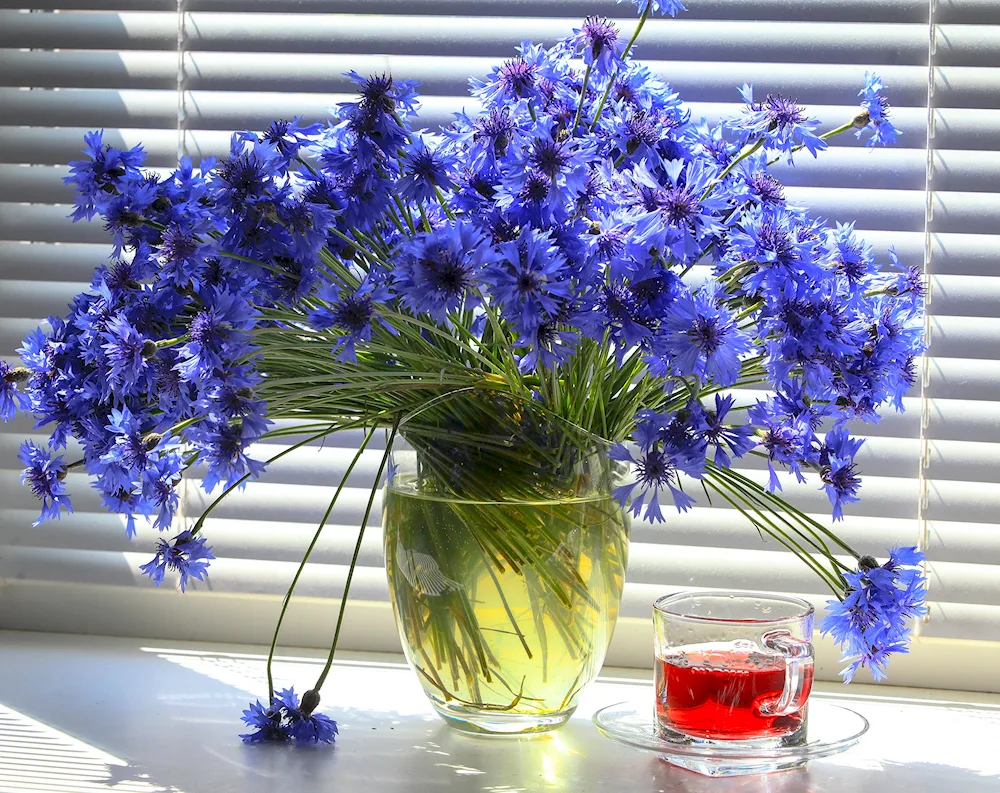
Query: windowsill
{"points": [[85, 714]]}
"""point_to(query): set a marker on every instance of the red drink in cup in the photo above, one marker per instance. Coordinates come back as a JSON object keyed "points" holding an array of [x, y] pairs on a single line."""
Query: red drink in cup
{"points": [[719, 691]]}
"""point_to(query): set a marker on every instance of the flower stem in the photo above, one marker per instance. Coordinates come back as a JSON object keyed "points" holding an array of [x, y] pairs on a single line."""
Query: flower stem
{"points": [[747, 151], [200, 523], [583, 98], [354, 560], [298, 573]]}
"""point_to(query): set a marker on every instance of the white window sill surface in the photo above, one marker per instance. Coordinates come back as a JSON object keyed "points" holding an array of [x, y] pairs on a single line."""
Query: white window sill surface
{"points": [[83, 714]]}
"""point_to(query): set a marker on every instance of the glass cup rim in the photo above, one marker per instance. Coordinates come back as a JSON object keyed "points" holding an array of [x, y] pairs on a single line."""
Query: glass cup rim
{"points": [[661, 604]]}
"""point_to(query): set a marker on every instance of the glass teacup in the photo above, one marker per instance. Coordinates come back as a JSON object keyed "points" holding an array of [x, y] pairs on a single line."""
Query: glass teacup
{"points": [[733, 666]]}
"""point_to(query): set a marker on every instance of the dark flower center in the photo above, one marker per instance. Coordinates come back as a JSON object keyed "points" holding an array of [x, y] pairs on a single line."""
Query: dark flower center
{"points": [[782, 112], [769, 189], [353, 314], [528, 282], [549, 157], [536, 187], [599, 34], [498, 127], [654, 468], [517, 76], [706, 334], [775, 239], [677, 205]]}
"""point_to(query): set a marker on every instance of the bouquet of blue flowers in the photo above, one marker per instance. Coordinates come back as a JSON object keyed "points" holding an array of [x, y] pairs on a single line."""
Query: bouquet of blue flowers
{"points": [[577, 250]]}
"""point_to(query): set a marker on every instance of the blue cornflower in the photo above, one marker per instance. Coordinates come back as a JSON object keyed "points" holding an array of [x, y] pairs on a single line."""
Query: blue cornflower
{"points": [[378, 120], [12, 400], [44, 476], [837, 472], [727, 439], [530, 281], [675, 218], [699, 336], [128, 354], [875, 116], [530, 197], [440, 272], [911, 281], [550, 173], [628, 322], [602, 45], [514, 79], [549, 344], [268, 724], [124, 214], [223, 447], [713, 142], [353, 315], [872, 620], [287, 137], [638, 87], [808, 328], [850, 257], [779, 243], [786, 434], [659, 7], [99, 178], [248, 176], [184, 255], [131, 447], [305, 725], [425, 170], [638, 132], [657, 467], [485, 141], [159, 488], [287, 719], [366, 191], [754, 183], [780, 123], [186, 554], [234, 397], [218, 334]]}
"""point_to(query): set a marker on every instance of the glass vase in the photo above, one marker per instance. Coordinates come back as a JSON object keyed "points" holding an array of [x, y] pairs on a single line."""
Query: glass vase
{"points": [[506, 555]]}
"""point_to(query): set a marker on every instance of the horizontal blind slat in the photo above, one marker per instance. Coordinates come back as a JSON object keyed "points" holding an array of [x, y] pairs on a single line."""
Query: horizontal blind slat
{"points": [[89, 31]]}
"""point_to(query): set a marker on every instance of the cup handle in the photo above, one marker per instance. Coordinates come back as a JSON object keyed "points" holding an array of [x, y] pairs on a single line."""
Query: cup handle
{"points": [[798, 663]]}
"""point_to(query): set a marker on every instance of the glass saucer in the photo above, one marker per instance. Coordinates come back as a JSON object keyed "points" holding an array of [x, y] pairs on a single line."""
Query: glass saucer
{"points": [[830, 730]]}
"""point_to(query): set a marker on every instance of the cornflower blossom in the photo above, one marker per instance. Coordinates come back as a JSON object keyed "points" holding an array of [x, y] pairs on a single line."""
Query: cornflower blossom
{"points": [[530, 280], [11, 399], [659, 7], [874, 117], [658, 463], [425, 171], [700, 337], [442, 271], [602, 45], [45, 475], [287, 719], [780, 123], [873, 620], [729, 440], [186, 554]]}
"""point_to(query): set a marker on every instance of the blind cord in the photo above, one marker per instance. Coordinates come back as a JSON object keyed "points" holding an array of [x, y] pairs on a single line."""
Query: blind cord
{"points": [[181, 108], [923, 487]]}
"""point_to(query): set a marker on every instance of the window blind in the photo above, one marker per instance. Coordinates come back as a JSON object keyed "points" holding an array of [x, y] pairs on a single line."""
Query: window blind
{"points": [[180, 79]]}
